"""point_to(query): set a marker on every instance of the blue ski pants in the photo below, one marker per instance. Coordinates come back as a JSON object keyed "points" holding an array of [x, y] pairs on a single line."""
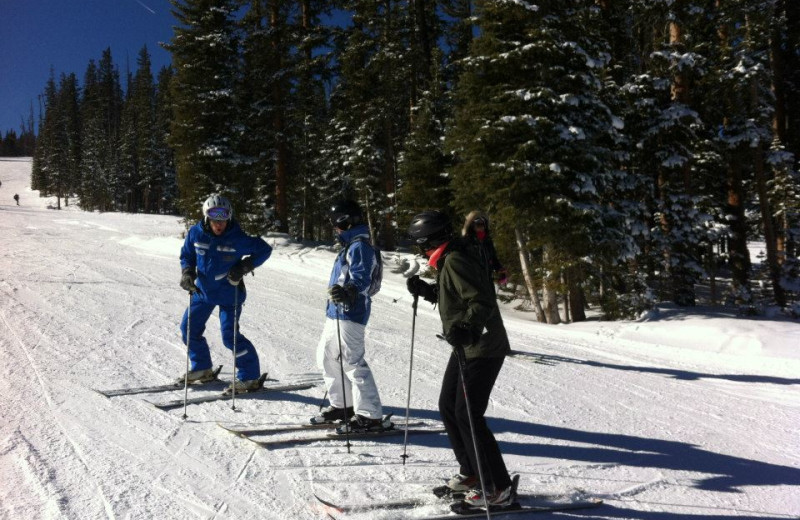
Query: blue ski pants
{"points": [[247, 365]]}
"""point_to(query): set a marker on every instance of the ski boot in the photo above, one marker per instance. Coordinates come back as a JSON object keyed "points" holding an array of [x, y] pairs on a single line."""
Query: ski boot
{"points": [[361, 424], [497, 499], [247, 385], [331, 415], [199, 376], [457, 486]]}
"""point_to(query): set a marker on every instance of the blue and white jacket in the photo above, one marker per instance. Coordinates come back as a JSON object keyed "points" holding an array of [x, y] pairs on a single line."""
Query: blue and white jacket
{"points": [[213, 256], [354, 266]]}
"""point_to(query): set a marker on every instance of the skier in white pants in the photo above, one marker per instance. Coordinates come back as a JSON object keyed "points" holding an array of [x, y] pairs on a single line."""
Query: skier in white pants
{"points": [[347, 316]]}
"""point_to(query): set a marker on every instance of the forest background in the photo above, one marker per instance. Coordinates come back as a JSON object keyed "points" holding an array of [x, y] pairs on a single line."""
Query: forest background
{"points": [[626, 151]]}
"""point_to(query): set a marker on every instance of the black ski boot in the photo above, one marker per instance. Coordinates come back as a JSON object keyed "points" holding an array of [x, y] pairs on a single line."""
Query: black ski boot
{"points": [[331, 415], [361, 424]]}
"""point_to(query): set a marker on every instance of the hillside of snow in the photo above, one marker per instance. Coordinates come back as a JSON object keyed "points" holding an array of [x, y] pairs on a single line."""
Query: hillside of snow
{"points": [[685, 414]]}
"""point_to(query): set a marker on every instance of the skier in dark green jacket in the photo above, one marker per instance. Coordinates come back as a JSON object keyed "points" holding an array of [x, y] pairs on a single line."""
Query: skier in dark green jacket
{"points": [[471, 322]]}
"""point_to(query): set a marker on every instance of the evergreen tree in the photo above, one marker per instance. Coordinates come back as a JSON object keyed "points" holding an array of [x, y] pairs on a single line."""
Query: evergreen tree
{"points": [[165, 192], [457, 23], [532, 136], [43, 167], [143, 98], [421, 170], [8, 145], [69, 139], [128, 177], [370, 116], [101, 114], [91, 192], [206, 122], [309, 115]]}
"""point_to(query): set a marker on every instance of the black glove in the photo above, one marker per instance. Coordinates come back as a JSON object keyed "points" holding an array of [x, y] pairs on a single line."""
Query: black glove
{"points": [[187, 279], [239, 269], [418, 287], [343, 295], [461, 335]]}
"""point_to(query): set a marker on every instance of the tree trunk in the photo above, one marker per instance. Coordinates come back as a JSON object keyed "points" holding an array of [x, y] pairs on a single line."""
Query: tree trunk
{"points": [[737, 243], [390, 161], [682, 287], [767, 220], [549, 294], [779, 117], [577, 299], [526, 274], [281, 150]]}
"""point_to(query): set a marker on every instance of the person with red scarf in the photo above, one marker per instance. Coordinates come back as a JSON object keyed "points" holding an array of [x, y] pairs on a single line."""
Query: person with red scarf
{"points": [[476, 225]]}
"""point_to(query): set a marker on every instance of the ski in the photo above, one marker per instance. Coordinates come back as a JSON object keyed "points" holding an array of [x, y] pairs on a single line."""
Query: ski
{"points": [[176, 403], [527, 356], [530, 510], [286, 428], [421, 501], [389, 504], [340, 436], [246, 432], [465, 513], [524, 500], [159, 388]]}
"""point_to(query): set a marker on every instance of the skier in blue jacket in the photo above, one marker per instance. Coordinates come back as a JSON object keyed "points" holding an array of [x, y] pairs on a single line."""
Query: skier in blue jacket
{"points": [[215, 257], [347, 315]]}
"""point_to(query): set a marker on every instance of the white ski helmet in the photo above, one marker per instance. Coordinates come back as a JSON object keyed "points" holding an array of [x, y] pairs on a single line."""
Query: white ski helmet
{"points": [[217, 207]]}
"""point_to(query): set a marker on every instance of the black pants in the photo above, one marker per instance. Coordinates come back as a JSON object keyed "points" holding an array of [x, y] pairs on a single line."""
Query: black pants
{"points": [[480, 374]]}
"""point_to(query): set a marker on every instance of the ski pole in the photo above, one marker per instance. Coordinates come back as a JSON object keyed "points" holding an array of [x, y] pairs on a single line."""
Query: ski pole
{"points": [[410, 368], [462, 363], [322, 402], [341, 368], [188, 339], [235, 333]]}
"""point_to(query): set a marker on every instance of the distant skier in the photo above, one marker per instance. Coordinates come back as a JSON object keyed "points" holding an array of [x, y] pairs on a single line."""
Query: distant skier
{"points": [[477, 225], [16, 198], [347, 314], [472, 324], [215, 257]]}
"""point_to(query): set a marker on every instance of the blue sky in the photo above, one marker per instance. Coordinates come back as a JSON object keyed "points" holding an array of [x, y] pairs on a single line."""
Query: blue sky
{"points": [[36, 35]]}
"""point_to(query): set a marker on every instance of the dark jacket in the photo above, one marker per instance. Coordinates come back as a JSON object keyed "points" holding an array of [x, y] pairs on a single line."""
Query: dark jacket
{"points": [[466, 294], [488, 250]]}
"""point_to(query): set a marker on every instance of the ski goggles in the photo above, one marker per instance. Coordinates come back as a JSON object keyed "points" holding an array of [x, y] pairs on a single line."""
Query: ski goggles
{"points": [[218, 213]]}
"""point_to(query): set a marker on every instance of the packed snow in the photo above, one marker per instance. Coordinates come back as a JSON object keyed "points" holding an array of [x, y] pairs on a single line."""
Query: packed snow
{"points": [[684, 414]]}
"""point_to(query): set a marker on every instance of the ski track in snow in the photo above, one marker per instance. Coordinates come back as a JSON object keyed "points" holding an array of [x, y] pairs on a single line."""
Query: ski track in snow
{"points": [[90, 300]]}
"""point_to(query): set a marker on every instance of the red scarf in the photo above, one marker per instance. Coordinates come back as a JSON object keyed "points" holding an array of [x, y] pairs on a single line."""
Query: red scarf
{"points": [[433, 259]]}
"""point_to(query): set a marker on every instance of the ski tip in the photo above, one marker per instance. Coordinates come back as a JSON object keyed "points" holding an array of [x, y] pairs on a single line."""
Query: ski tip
{"points": [[327, 503], [327, 508]]}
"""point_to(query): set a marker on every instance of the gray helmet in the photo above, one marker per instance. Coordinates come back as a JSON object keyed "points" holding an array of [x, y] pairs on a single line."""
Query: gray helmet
{"points": [[217, 207]]}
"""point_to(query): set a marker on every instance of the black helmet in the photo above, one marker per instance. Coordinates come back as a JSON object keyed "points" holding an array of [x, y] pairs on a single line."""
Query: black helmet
{"points": [[430, 229], [345, 214]]}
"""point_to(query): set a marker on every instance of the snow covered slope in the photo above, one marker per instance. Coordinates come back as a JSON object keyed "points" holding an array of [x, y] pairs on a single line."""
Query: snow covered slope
{"points": [[680, 416]]}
